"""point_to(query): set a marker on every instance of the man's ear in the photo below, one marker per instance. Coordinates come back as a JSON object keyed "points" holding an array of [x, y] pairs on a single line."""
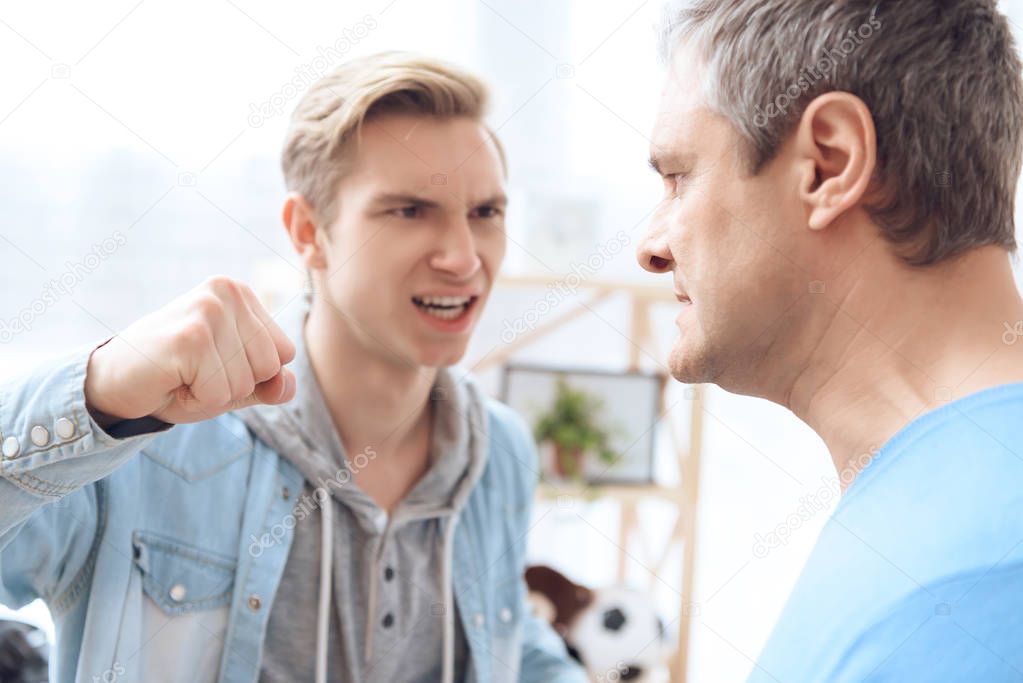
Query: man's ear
{"points": [[837, 146], [301, 224]]}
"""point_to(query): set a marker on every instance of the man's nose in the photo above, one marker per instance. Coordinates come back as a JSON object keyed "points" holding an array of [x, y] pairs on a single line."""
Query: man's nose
{"points": [[653, 252], [456, 255]]}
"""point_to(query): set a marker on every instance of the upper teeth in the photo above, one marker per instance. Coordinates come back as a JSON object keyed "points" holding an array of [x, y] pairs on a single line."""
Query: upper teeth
{"points": [[444, 300]]}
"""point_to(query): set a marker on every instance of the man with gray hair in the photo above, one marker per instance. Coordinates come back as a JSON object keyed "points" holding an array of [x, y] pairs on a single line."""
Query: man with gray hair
{"points": [[839, 186]]}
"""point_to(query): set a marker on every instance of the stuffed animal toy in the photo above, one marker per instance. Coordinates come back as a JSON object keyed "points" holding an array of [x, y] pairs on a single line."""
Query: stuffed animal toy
{"points": [[614, 632]]}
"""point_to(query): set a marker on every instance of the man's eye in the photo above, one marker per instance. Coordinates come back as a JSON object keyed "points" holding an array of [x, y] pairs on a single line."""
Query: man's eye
{"points": [[408, 212], [487, 212]]}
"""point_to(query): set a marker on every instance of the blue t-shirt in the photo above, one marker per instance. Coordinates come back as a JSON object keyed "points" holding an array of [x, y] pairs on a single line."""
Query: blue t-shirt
{"points": [[918, 575]]}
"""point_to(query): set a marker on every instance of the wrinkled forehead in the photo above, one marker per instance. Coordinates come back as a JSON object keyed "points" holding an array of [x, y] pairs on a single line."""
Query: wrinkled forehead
{"points": [[447, 153], [682, 102]]}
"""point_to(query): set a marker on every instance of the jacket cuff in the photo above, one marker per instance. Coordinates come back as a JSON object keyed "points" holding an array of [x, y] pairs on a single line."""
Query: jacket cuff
{"points": [[44, 419]]}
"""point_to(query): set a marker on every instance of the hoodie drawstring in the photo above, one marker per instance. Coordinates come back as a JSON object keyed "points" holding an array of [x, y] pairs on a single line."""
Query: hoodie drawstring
{"points": [[448, 666], [323, 611]]}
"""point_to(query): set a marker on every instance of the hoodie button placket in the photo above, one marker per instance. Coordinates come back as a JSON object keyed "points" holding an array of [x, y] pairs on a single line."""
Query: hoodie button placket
{"points": [[389, 605]]}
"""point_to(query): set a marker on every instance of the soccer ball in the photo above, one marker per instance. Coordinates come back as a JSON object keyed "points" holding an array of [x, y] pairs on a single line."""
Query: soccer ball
{"points": [[619, 636]]}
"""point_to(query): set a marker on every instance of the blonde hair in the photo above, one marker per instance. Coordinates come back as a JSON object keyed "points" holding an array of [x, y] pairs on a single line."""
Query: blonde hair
{"points": [[327, 120]]}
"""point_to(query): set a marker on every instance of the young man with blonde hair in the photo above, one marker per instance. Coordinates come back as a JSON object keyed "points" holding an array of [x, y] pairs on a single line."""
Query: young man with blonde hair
{"points": [[192, 509]]}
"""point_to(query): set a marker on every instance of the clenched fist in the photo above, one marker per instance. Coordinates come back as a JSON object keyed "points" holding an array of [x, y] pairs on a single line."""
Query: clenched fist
{"points": [[211, 350]]}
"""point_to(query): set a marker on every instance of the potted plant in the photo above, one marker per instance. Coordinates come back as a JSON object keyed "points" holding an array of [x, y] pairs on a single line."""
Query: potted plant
{"points": [[572, 429]]}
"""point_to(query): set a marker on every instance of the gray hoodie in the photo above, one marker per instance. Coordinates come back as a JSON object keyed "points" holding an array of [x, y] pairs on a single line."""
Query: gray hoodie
{"points": [[392, 617]]}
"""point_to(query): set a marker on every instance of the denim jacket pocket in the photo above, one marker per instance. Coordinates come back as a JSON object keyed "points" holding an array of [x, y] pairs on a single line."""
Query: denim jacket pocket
{"points": [[181, 578]]}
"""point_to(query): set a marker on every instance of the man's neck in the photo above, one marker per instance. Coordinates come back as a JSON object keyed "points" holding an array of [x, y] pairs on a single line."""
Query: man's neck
{"points": [[891, 346], [376, 401]]}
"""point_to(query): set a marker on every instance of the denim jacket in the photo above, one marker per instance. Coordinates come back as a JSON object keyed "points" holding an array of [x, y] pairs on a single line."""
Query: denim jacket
{"points": [[139, 543]]}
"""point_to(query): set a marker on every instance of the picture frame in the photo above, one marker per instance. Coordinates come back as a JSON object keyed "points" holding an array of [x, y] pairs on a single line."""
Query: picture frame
{"points": [[619, 413]]}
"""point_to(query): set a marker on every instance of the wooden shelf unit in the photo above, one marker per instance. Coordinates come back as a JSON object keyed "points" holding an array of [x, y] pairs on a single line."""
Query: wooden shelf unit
{"points": [[688, 451]]}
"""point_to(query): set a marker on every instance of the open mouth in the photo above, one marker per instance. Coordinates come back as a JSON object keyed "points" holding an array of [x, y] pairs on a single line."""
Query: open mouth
{"points": [[445, 307]]}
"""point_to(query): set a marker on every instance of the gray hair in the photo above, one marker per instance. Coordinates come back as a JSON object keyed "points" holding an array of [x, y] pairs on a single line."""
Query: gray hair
{"points": [[941, 78]]}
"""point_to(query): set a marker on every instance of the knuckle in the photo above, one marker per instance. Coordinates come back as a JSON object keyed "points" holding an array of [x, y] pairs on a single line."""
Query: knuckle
{"points": [[224, 288], [245, 291], [244, 385], [265, 368], [217, 282], [288, 346], [209, 306], [194, 335]]}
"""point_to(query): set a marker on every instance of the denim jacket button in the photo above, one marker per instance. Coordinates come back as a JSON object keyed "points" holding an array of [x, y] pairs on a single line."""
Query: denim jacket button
{"points": [[178, 592], [11, 447], [255, 603], [65, 428], [40, 436], [477, 620], [505, 615]]}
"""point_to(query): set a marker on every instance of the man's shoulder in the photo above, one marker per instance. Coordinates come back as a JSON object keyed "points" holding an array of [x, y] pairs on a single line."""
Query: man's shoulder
{"points": [[963, 627], [988, 419], [506, 424], [938, 508], [512, 453], [944, 492]]}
